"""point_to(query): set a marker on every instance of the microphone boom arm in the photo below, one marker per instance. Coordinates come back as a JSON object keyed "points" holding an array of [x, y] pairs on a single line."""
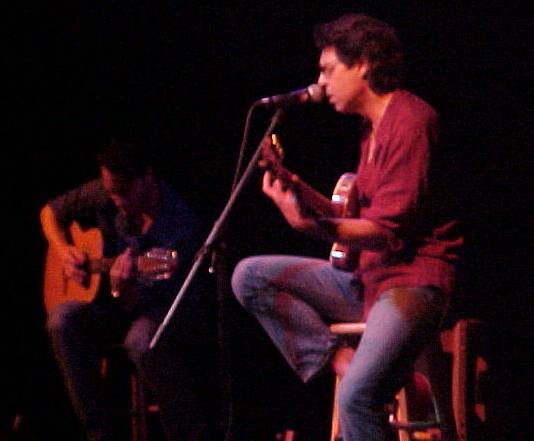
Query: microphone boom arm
{"points": [[216, 230]]}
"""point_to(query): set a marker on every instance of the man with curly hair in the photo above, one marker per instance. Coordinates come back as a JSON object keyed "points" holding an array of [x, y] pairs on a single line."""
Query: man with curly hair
{"points": [[408, 240]]}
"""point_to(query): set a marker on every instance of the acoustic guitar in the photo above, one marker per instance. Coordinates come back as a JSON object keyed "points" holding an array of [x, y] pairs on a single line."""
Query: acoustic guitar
{"points": [[154, 264], [344, 201]]}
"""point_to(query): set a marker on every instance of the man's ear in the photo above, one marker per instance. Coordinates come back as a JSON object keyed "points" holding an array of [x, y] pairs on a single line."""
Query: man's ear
{"points": [[363, 68]]}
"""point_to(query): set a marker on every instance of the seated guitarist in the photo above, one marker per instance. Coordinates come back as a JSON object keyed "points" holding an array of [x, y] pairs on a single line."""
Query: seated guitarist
{"points": [[134, 212], [407, 240]]}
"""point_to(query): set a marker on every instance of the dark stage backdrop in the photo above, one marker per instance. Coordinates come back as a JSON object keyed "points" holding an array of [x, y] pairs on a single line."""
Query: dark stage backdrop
{"points": [[185, 73]]}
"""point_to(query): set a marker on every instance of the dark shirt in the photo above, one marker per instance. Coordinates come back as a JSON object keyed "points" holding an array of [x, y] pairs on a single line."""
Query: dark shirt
{"points": [[398, 190], [175, 227]]}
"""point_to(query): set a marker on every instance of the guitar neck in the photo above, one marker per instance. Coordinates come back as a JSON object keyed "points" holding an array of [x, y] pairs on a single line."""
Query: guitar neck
{"points": [[102, 265], [153, 261], [313, 201]]}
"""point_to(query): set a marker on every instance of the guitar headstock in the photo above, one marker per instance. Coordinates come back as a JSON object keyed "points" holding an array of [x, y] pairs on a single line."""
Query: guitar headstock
{"points": [[157, 263], [311, 202], [272, 152]]}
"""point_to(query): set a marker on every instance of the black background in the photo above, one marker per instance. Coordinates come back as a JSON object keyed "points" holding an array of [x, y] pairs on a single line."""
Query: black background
{"points": [[186, 72]]}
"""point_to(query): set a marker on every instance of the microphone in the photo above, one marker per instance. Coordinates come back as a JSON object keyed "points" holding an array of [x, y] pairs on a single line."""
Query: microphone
{"points": [[311, 94]]}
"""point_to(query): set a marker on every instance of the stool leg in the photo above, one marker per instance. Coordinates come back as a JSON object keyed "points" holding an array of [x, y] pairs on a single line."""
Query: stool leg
{"points": [[413, 409], [334, 432], [434, 366], [401, 413], [468, 365], [139, 406]]}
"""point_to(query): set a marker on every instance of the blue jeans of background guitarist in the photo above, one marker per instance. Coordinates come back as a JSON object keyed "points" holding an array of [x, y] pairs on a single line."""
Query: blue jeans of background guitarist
{"points": [[79, 334], [179, 371]]}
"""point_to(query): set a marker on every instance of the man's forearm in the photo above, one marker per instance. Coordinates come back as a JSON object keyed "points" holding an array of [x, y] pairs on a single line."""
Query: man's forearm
{"points": [[53, 232], [359, 233]]}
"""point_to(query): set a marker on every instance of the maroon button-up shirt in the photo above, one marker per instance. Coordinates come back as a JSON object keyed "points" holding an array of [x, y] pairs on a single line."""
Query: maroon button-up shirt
{"points": [[398, 191]]}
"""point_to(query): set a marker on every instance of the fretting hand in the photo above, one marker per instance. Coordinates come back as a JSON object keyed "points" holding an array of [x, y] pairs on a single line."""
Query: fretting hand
{"points": [[123, 276], [287, 202]]}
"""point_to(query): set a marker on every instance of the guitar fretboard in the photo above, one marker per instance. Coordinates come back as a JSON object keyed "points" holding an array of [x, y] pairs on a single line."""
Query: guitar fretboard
{"points": [[101, 265]]}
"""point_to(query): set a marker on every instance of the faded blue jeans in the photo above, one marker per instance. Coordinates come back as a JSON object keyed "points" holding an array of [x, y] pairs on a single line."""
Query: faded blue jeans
{"points": [[295, 298], [78, 334]]}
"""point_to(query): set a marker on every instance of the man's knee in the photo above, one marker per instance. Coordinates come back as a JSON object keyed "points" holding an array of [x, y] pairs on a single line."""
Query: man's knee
{"points": [[63, 317], [138, 338], [136, 350], [244, 283]]}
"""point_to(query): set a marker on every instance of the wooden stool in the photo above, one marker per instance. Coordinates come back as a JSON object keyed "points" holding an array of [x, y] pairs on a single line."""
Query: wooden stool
{"points": [[341, 329], [454, 403], [467, 344], [140, 406]]}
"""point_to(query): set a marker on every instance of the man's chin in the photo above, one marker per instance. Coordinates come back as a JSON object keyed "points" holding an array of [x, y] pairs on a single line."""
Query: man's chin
{"points": [[346, 109], [340, 108]]}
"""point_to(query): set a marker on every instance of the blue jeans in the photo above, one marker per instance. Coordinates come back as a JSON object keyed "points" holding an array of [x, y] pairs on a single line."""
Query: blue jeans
{"points": [[78, 333], [295, 298]]}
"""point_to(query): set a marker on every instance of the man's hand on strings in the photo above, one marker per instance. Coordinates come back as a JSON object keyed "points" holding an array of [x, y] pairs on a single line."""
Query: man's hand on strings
{"points": [[73, 261]]}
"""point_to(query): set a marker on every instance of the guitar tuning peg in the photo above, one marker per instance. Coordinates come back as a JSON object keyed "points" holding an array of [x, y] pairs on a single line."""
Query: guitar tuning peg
{"points": [[278, 149]]}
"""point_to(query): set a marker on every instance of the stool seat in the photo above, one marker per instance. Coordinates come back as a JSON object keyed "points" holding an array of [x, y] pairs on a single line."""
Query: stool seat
{"points": [[357, 328]]}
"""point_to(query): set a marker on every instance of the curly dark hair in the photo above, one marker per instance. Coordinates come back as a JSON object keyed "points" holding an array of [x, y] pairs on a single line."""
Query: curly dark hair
{"points": [[359, 37]]}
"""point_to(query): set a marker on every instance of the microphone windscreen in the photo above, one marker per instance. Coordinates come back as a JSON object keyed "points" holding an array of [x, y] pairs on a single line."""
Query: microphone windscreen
{"points": [[316, 93]]}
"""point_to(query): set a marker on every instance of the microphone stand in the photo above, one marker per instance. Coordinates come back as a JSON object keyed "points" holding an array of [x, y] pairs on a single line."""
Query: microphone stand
{"points": [[216, 231]]}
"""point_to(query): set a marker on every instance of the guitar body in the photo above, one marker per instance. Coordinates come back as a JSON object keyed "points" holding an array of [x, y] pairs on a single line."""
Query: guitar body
{"points": [[155, 264], [58, 288], [346, 204]]}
